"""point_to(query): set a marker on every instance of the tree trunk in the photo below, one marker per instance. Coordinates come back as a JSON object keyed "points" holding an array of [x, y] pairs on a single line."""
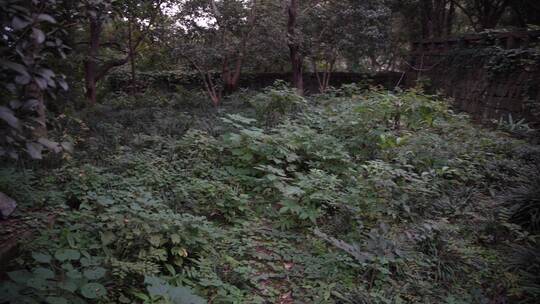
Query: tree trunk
{"points": [[90, 65], [236, 75], [484, 14], [132, 57], [296, 57], [231, 79], [93, 71], [297, 70], [215, 95], [437, 17], [426, 10], [324, 81], [491, 12], [450, 19]]}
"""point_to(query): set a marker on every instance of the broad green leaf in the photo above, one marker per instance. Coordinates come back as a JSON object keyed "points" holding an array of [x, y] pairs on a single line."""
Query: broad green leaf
{"points": [[56, 300], [46, 17], [38, 35], [18, 23], [184, 295], [9, 290], [93, 291], [19, 68], [67, 255], [19, 276], [94, 273], [22, 79], [62, 83], [67, 146], [175, 238], [9, 117], [41, 257], [156, 286], [105, 200], [69, 285], [155, 240], [38, 283], [178, 295], [107, 237], [123, 299], [43, 273], [51, 145], [74, 274], [34, 150]]}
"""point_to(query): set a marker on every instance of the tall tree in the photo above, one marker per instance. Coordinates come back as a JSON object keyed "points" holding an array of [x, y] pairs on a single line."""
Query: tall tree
{"points": [[295, 45], [437, 18], [525, 12], [483, 14], [140, 18], [343, 29], [216, 38]]}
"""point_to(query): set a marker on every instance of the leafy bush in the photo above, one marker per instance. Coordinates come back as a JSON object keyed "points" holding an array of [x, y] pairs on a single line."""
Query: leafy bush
{"points": [[116, 248], [20, 185], [524, 204], [525, 262], [518, 127], [276, 102], [161, 208]]}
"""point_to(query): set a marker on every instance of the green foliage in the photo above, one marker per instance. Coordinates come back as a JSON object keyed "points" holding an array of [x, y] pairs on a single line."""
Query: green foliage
{"points": [[214, 198], [19, 184], [523, 202], [161, 292], [309, 196], [525, 262], [62, 275], [518, 127], [276, 102], [117, 247], [366, 196], [30, 37], [496, 60]]}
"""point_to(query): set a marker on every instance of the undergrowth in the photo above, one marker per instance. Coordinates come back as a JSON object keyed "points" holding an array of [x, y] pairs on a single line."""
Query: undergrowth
{"points": [[355, 196]]}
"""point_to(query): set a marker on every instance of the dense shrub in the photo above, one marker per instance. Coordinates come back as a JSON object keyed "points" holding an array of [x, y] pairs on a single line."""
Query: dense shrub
{"points": [[355, 195]]}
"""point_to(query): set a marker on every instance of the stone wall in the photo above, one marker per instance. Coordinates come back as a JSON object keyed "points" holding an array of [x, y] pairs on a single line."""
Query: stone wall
{"points": [[489, 75]]}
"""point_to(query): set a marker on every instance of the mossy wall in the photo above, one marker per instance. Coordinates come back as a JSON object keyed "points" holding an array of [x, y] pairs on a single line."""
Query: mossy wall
{"points": [[491, 76], [168, 80]]}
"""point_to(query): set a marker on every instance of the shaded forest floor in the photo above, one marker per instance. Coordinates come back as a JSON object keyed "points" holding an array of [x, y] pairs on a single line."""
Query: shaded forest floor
{"points": [[353, 196]]}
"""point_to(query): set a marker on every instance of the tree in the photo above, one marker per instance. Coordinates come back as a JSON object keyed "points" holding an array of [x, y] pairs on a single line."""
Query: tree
{"points": [[235, 48], [524, 13], [30, 37], [344, 29], [140, 17], [483, 14], [215, 38], [437, 18], [294, 44]]}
